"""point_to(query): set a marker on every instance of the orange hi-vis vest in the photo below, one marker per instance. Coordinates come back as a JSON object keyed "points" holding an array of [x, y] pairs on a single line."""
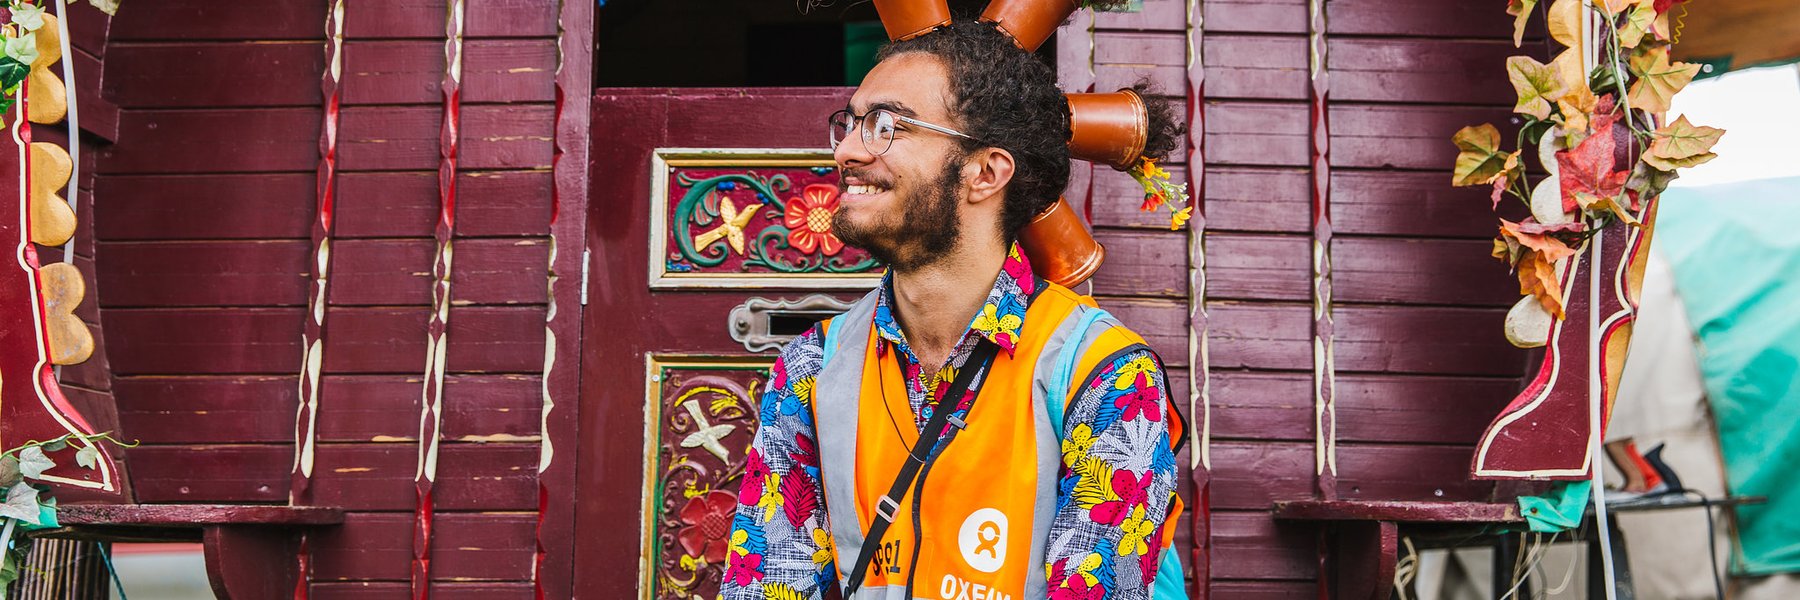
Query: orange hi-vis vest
{"points": [[976, 524]]}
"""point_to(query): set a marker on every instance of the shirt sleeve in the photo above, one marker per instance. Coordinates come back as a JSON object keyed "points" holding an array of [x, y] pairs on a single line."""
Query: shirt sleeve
{"points": [[779, 545], [1116, 485]]}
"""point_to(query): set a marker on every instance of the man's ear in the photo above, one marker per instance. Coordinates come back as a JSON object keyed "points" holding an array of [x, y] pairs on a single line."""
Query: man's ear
{"points": [[987, 173]]}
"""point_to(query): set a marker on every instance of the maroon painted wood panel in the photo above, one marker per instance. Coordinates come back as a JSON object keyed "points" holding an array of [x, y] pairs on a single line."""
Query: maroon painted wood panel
{"points": [[206, 238]]}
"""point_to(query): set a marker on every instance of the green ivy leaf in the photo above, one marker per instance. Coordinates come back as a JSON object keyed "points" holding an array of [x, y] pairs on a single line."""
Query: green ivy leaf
{"points": [[22, 49], [110, 7], [1521, 12], [33, 463], [28, 16], [1537, 84], [22, 504], [1480, 157], [88, 456], [1638, 22], [9, 471]]}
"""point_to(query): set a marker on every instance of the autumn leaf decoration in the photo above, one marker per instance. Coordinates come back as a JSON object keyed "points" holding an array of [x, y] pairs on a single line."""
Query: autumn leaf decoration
{"points": [[1161, 192], [1613, 149]]}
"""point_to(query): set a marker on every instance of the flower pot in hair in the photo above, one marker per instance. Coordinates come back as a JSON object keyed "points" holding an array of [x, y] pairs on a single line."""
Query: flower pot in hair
{"points": [[1059, 246], [1108, 128], [1030, 22], [907, 19]]}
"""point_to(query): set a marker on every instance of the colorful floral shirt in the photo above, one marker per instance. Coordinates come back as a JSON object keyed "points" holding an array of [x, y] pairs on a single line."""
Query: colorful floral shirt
{"points": [[1115, 488]]}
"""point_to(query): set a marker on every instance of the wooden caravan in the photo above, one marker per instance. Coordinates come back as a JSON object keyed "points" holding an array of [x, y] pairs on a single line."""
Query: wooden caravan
{"points": [[474, 299]]}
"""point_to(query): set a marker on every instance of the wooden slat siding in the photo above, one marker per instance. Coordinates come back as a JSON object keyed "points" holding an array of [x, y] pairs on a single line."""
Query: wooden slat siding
{"points": [[88, 29], [553, 566], [1251, 475], [282, 139], [474, 477], [408, 72], [99, 116], [489, 204], [1411, 384], [279, 206], [177, 341], [407, 137], [282, 73], [1364, 201], [1421, 71], [442, 590], [1075, 64], [368, 547], [494, 271], [425, 19], [403, 72], [471, 477], [1421, 409], [230, 409], [1371, 338], [1422, 18], [217, 167], [431, 405], [272, 140], [287, 20]]}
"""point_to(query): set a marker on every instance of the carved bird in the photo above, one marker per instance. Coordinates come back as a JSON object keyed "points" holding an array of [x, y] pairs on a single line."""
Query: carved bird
{"points": [[731, 226]]}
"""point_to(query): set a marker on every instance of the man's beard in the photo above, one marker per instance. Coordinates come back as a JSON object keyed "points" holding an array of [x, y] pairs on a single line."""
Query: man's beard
{"points": [[924, 232]]}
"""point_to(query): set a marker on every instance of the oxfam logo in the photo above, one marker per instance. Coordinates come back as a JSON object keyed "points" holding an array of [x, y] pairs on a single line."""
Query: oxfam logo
{"points": [[983, 540]]}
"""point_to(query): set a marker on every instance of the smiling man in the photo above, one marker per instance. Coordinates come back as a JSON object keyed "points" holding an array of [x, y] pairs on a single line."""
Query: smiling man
{"points": [[967, 430]]}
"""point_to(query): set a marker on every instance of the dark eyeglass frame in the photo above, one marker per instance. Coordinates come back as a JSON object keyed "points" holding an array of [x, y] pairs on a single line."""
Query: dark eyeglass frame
{"points": [[845, 120]]}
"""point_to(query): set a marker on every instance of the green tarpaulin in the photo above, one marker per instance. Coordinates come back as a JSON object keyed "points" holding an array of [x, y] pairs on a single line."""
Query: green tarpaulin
{"points": [[1735, 250]]}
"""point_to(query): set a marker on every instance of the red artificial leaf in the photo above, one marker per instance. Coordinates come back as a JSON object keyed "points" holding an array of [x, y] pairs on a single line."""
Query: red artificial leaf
{"points": [[1534, 235], [1530, 225], [1589, 168], [799, 499], [1511, 171]]}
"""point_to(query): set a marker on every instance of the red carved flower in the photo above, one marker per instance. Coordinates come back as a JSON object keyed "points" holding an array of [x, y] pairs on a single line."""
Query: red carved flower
{"points": [[809, 219], [708, 525]]}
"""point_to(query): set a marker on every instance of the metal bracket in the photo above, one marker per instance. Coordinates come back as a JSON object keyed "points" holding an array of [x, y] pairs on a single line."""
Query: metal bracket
{"points": [[753, 322]]}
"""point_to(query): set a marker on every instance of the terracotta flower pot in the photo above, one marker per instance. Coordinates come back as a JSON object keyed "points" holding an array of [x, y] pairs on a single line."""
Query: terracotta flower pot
{"points": [[1108, 128], [907, 19], [1059, 246], [1029, 22]]}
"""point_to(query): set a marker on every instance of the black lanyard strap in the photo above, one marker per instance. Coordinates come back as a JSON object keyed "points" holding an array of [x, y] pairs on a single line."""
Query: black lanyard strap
{"points": [[941, 417]]}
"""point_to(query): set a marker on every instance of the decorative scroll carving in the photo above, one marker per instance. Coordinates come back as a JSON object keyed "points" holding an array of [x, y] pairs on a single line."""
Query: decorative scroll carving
{"points": [[751, 321], [749, 218], [701, 419]]}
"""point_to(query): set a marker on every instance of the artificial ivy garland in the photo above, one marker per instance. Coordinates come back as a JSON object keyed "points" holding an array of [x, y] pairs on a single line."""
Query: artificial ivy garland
{"points": [[1630, 86]]}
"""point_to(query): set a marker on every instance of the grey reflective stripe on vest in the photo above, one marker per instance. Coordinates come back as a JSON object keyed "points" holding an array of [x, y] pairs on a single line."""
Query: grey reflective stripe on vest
{"points": [[835, 392], [837, 399]]}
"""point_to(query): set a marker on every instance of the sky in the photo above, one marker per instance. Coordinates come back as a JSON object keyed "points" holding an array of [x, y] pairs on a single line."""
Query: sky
{"points": [[1759, 109]]}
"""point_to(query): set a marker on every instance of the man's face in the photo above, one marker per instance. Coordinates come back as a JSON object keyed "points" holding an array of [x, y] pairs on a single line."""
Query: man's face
{"points": [[902, 205]]}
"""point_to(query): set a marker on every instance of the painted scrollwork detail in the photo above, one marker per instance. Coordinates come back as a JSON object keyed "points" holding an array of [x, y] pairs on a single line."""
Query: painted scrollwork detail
{"points": [[706, 421], [775, 220]]}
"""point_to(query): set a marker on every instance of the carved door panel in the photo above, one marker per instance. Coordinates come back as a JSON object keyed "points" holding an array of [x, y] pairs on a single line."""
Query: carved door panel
{"points": [[710, 243]]}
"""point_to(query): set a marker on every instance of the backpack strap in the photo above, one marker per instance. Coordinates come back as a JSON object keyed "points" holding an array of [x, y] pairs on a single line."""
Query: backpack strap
{"points": [[1064, 374]]}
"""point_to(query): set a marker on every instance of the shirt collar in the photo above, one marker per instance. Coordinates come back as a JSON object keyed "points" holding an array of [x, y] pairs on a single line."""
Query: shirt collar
{"points": [[1002, 316]]}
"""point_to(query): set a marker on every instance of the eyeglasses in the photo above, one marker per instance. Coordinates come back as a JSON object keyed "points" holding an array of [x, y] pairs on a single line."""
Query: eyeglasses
{"points": [[878, 128]]}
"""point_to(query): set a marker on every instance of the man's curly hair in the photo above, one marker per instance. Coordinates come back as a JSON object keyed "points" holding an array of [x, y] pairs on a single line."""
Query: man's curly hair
{"points": [[1005, 98]]}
